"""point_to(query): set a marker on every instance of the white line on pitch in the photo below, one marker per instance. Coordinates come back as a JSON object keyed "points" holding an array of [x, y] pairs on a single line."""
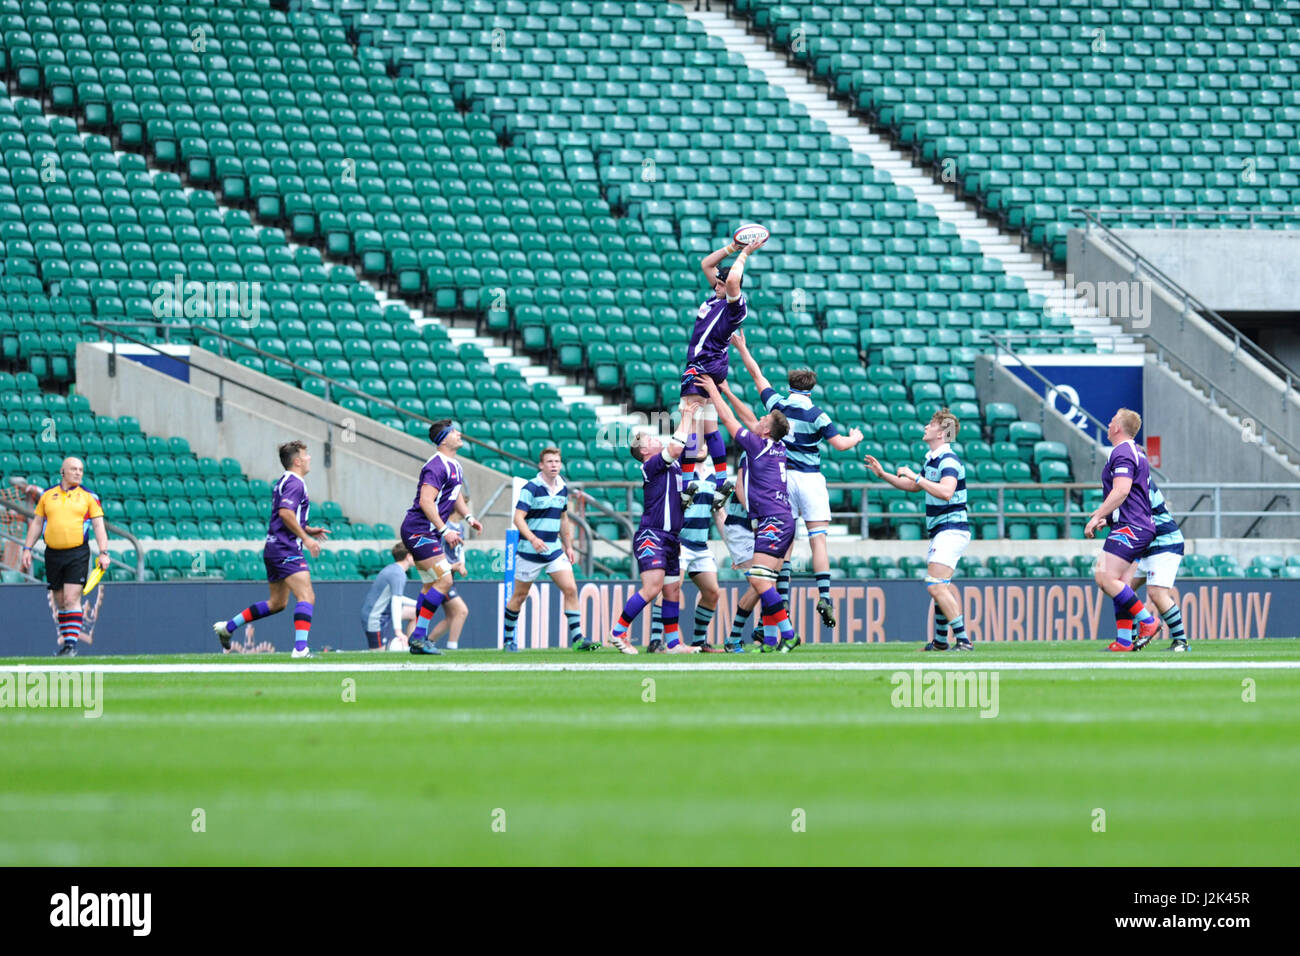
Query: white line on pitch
{"points": [[719, 667]]}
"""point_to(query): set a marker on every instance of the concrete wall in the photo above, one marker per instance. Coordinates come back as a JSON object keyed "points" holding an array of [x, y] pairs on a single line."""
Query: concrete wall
{"points": [[1230, 270], [1192, 347], [371, 470]]}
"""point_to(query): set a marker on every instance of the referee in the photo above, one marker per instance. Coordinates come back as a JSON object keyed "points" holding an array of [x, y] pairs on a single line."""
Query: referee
{"points": [[62, 512]]}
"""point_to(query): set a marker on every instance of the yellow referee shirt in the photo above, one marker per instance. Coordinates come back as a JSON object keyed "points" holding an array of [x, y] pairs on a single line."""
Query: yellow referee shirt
{"points": [[65, 514]]}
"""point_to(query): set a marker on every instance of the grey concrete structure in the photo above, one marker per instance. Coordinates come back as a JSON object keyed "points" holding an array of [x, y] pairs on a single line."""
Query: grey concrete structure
{"points": [[370, 469]]}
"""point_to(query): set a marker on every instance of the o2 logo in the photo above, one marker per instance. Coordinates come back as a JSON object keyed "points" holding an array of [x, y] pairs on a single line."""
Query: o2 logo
{"points": [[1073, 413]]}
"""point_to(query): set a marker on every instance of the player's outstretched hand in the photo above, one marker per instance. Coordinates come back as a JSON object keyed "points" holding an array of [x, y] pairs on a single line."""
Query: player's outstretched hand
{"points": [[706, 382], [319, 533], [753, 247], [738, 338], [875, 466], [905, 472]]}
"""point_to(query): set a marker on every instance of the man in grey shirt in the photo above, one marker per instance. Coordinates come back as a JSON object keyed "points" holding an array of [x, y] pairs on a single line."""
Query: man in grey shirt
{"points": [[386, 605]]}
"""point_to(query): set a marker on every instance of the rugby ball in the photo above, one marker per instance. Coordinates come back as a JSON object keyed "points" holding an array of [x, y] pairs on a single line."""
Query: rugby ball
{"points": [[749, 232]]}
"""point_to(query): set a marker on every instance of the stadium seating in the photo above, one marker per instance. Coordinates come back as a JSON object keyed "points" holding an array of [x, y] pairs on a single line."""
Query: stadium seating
{"points": [[1044, 107]]}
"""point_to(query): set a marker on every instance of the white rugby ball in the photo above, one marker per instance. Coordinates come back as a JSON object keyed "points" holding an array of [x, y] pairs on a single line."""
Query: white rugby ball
{"points": [[749, 232]]}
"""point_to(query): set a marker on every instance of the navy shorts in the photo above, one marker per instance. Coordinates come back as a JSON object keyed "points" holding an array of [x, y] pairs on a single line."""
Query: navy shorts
{"points": [[422, 543], [657, 551], [717, 371], [1127, 542], [280, 566], [773, 535]]}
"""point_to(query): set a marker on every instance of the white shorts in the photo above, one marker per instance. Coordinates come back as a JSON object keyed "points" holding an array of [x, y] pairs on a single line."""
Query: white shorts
{"points": [[698, 562], [946, 548], [740, 543], [527, 570], [809, 498], [1160, 569]]}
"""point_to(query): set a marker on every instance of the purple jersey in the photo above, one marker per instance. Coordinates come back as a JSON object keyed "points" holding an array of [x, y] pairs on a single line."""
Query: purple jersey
{"points": [[765, 486], [289, 492], [661, 494], [1126, 461], [715, 321], [445, 476]]}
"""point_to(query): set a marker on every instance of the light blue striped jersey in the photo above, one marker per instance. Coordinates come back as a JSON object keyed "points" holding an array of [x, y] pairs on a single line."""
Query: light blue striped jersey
{"points": [[737, 509], [697, 519], [1168, 536], [543, 509], [809, 426], [947, 515]]}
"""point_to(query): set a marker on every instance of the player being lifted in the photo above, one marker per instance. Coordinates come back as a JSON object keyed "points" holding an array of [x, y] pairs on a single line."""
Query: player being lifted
{"points": [[424, 530], [656, 544], [545, 544], [716, 319], [1159, 565], [769, 508], [1127, 509], [286, 568], [943, 479], [809, 499]]}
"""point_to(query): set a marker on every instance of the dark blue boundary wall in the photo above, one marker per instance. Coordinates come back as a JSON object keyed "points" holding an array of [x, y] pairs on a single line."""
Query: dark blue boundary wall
{"points": [[176, 617]]}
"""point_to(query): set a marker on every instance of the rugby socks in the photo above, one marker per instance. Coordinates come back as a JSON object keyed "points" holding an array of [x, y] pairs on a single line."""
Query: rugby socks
{"points": [[738, 624], [718, 452], [247, 616], [940, 626], [656, 623], [783, 582], [634, 606], [703, 618], [1174, 618], [70, 627], [958, 628], [824, 585], [574, 620], [687, 459], [671, 611], [509, 620], [301, 625], [430, 601], [1124, 625], [776, 620], [1132, 607]]}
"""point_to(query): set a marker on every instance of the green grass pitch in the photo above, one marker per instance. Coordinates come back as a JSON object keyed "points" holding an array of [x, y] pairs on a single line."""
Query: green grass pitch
{"points": [[724, 766]]}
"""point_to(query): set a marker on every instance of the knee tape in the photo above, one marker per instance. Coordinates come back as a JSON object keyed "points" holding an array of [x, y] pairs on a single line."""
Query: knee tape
{"points": [[814, 533], [762, 573], [429, 575], [930, 579]]}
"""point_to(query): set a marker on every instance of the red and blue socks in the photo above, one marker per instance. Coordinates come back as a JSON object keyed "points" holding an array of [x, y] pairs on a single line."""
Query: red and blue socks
{"points": [[776, 620], [301, 625], [70, 627], [718, 452], [703, 618], [1128, 609], [671, 613], [248, 615], [430, 601], [634, 606]]}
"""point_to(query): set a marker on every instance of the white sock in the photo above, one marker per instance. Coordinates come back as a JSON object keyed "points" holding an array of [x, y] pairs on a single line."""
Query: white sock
{"points": [[453, 645]]}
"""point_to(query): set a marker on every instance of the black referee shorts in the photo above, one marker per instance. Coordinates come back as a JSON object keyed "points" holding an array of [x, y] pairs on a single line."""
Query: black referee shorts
{"points": [[67, 565]]}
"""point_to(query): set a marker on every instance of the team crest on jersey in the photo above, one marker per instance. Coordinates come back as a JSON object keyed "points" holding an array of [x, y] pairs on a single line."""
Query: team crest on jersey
{"points": [[422, 540], [647, 550], [1125, 534]]}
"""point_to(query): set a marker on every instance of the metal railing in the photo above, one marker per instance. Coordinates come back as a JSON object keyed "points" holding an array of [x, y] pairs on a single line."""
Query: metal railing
{"points": [[1176, 214], [28, 512], [1163, 353], [1240, 344]]}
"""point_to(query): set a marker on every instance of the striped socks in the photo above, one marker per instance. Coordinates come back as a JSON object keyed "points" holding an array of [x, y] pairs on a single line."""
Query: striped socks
{"points": [[703, 618], [959, 628], [783, 582], [511, 618], [718, 452], [1174, 618], [574, 620], [248, 615], [430, 601], [824, 585], [656, 623], [738, 625], [634, 606], [70, 626], [776, 620], [301, 625], [670, 612], [940, 627]]}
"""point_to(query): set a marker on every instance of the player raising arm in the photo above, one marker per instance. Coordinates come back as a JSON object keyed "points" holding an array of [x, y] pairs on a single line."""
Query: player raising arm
{"points": [[809, 497], [769, 508], [944, 484]]}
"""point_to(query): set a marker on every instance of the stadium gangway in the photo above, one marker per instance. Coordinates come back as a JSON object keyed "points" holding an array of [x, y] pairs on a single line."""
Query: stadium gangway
{"points": [[1163, 353], [1141, 264], [29, 512]]}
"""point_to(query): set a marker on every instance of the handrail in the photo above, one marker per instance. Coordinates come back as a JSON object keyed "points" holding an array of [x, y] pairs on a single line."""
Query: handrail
{"points": [[29, 513], [1175, 212], [1268, 507], [1218, 322], [1201, 380]]}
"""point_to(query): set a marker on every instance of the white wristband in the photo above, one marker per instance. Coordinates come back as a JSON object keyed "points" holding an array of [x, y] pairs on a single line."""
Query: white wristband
{"points": [[470, 519], [681, 439]]}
